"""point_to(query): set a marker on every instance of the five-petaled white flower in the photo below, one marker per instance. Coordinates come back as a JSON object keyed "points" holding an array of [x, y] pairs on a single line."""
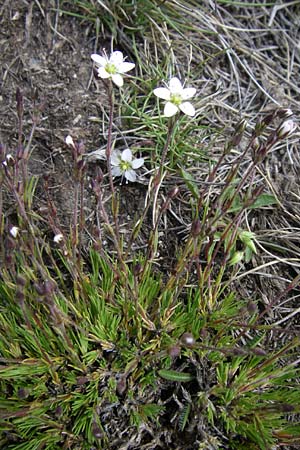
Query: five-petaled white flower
{"points": [[123, 164], [176, 96], [113, 67]]}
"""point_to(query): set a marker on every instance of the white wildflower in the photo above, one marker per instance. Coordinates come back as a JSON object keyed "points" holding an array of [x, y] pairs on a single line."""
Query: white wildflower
{"points": [[176, 96], [69, 141], [57, 238], [113, 67], [123, 164], [14, 231]]}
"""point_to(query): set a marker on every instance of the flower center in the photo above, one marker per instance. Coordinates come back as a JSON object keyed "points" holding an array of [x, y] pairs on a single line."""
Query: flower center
{"points": [[125, 165], [111, 68], [176, 99]]}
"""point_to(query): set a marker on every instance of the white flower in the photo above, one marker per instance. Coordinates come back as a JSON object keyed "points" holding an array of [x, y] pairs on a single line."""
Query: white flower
{"points": [[113, 67], [57, 238], [14, 231], [69, 141], [176, 96], [123, 164]]}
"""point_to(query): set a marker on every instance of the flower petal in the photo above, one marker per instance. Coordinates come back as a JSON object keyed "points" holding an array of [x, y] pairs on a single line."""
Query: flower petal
{"points": [[125, 67], [163, 93], [102, 73], [175, 86], [130, 175], [170, 109], [97, 154], [188, 93], [117, 79], [100, 60], [137, 163], [115, 158], [116, 58], [126, 155], [116, 171], [187, 108]]}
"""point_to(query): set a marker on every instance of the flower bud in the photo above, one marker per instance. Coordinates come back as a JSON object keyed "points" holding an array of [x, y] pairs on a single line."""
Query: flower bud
{"points": [[39, 288], [251, 307], [172, 194], [96, 430], [196, 228], [238, 351], [9, 160], [14, 231], [187, 339], [137, 269], [174, 351], [49, 286], [21, 281], [57, 238], [259, 351], [285, 113], [23, 393], [286, 129], [69, 141], [19, 100], [121, 385]]}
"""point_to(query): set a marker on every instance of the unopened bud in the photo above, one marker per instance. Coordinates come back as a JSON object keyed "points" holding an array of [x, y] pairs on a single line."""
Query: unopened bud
{"points": [[2, 152], [238, 133], [251, 307], [286, 407], [172, 194], [19, 100], [21, 280], [39, 288], [255, 145], [9, 160], [137, 269], [14, 231], [99, 175], [20, 152], [49, 286], [269, 118], [285, 113], [121, 385], [286, 129], [237, 351], [57, 238], [174, 351], [187, 339], [20, 296], [23, 393], [259, 351], [196, 228], [69, 141], [96, 430]]}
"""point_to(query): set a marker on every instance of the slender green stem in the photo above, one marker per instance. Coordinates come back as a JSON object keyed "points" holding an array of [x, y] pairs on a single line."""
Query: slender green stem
{"points": [[109, 136]]}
